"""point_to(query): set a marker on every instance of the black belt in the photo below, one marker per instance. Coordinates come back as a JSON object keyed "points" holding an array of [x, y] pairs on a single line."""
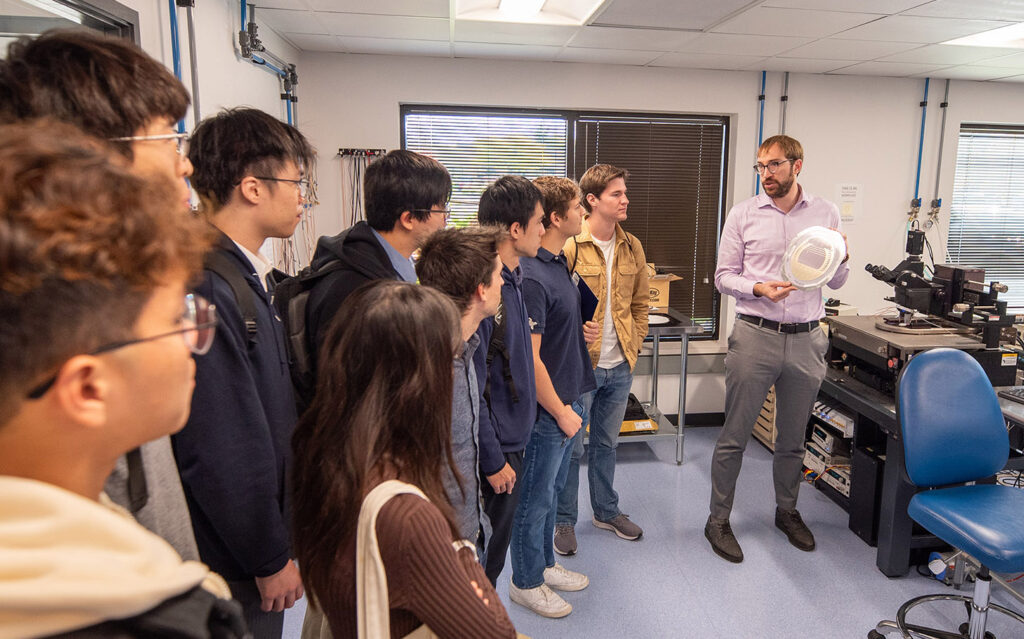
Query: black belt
{"points": [[797, 327]]}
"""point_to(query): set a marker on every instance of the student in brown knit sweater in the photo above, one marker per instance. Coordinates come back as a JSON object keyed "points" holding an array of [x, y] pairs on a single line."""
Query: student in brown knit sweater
{"points": [[383, 412]]}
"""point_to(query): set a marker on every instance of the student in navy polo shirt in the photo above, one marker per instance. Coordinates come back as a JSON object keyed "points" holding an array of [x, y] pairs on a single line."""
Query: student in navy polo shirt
{"points": [[508, 398], [563, 375]]}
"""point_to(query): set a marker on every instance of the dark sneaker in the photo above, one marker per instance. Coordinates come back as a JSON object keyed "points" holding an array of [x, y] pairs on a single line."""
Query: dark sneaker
{"points": [[565, 540], [723, 542], [789, 522], [621, 526]]}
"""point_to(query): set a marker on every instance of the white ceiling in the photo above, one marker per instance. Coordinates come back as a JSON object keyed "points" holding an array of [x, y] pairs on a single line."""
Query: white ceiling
{"points": [[899, 38]]}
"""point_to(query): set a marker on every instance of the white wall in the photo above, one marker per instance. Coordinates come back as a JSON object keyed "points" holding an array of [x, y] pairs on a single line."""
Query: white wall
{"points": [[225, 79], [861, 130]]}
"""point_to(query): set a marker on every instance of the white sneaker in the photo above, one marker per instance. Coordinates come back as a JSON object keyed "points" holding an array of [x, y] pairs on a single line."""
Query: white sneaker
{"points": [[561, 578], [541, 600]]}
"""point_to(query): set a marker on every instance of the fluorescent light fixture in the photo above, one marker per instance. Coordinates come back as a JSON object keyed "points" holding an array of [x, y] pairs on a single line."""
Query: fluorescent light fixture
{"points": [[1011, 37], [521, 9], [552, 12]]}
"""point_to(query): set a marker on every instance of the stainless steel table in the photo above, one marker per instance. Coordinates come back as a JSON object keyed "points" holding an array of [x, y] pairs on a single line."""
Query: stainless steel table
{"points": [[683, 327]]}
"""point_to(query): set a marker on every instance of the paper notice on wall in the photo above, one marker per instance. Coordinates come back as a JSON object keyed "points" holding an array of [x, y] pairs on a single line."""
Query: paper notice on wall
{"points": [[848, 198]]}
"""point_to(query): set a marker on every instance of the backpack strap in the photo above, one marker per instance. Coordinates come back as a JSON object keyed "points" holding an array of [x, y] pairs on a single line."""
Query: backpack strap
{"points": [[222, 265], [496, 346]]}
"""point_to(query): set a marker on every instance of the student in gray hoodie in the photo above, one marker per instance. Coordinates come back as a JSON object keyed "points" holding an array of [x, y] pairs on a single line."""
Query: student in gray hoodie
{"points": [[464, 265]]}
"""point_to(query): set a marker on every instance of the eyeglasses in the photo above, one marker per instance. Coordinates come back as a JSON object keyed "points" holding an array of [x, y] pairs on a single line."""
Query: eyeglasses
{"points": [[304, 184], [772, 166], [200, 324], [446, 211], [180, 139]]}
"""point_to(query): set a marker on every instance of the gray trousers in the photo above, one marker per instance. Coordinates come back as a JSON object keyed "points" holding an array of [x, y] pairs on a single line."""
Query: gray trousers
{"points": [[757, 358]]}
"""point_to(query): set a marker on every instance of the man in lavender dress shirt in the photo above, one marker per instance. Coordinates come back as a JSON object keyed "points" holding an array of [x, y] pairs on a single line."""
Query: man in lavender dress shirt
{"points": [[775, 340]]}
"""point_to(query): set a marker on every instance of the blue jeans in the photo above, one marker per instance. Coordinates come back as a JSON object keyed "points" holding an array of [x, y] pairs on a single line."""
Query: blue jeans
{"points": [[606, 406], [545, 465]]}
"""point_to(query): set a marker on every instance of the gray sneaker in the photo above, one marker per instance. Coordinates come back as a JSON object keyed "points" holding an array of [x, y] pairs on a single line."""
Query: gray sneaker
{"points": [[565, 540], [790, 522], [621, 526], [723, 542]]}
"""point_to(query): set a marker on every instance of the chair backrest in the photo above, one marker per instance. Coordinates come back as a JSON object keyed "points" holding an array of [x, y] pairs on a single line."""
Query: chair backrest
{"points": [[953, 429]]}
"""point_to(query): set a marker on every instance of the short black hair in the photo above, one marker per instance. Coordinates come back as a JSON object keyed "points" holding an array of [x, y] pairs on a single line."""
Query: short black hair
{"points": [[511, 199], [106, 86], [238, 142], [403, 181]]}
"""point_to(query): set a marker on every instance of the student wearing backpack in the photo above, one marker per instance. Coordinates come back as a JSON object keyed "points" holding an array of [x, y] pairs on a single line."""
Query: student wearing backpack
{"points": [[504, 368], [406, 199], [563, 377], [234, 452]]}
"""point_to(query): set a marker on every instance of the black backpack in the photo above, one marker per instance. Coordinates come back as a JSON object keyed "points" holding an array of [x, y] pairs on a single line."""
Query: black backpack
{"points": [[496, 346], [290, 299]]}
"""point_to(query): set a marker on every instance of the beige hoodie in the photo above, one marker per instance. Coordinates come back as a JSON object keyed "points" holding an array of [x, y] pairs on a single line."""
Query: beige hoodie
{"points": [[67, 562]]}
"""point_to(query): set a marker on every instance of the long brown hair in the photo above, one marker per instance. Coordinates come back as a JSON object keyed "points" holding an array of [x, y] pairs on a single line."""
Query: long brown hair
{"points": [[383, 407]]}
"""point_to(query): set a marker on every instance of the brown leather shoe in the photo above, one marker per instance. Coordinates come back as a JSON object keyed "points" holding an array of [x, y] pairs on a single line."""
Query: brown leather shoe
{"points": [[723, 542], [796, 530]]}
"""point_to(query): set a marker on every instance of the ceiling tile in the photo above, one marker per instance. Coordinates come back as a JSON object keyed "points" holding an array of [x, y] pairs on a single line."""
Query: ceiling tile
{"points": [[607, 56], [419, 8], [1015, 61], [834, 49], [513, 33], [640, 39], [793, 22], [313, 42], [800, 65], [285, 21], [918, 29], [388, 46], [732, 44], [667, 14], [707, 61], [971, 72], [378, 26], [948, 54], [972, 9], [893, 69], [504, 51], [867, 6]]}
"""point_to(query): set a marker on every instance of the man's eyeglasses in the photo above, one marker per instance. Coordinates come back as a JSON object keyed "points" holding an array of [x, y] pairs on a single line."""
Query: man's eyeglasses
{"points": [[304, 184], [772, 166], [199, 322], [447, 212], [180, 139]]}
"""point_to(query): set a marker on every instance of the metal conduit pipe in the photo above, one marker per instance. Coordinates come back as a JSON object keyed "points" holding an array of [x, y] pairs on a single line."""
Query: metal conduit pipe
{"points": [[936, 200], [785, 101]]}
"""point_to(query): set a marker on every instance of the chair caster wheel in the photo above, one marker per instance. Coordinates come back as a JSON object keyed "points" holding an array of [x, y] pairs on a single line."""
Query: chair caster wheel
{"points": [[964, 627], [874, 634]]}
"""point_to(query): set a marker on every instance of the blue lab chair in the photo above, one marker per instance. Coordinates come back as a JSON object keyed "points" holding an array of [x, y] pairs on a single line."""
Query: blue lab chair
{"points": [[954, 433]]}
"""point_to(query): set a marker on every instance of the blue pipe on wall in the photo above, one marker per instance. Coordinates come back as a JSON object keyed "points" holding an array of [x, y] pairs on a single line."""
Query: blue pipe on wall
{"points": [[760, 131], [243, 14], [920, 144], [176, 50]]}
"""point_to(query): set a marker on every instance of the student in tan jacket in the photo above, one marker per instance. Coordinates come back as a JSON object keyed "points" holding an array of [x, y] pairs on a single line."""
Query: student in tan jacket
{"points": [[612, 263]]}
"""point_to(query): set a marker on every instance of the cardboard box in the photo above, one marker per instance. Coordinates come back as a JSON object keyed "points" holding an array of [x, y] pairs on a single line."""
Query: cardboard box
{"points": [[636, 426], [659, 286], [764, 427]]}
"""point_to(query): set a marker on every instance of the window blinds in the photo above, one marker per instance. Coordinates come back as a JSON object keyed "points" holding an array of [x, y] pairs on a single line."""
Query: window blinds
{"points": [[986, 227]]}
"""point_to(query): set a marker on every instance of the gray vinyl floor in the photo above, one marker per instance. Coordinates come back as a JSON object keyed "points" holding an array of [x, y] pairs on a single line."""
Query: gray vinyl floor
{"points": [[670, 583]]}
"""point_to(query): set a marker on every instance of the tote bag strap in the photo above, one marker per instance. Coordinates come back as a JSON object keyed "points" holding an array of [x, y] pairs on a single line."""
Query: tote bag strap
{"points": [[372, 605]]}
